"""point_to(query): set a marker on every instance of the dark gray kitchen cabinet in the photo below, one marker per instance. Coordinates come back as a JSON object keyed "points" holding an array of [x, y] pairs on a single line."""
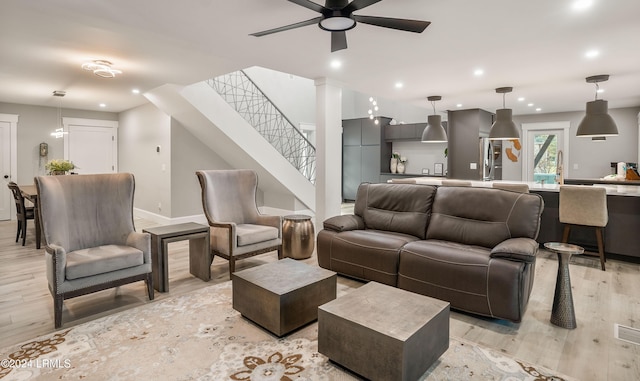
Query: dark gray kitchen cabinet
{"points": [[364, 152]]}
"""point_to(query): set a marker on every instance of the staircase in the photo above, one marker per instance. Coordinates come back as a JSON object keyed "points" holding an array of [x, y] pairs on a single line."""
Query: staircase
{"points": [[284, 159]]}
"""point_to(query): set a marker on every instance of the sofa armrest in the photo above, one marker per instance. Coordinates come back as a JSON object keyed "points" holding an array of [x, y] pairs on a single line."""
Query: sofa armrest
{"points": [[517, 249], [142, 242], [56, 262], [344, 223]]}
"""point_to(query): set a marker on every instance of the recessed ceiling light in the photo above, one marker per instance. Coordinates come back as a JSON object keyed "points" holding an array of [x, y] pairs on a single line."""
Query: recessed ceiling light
{"points": [[478, 72], [336, 64], [581, 5], [135, 91], [399, 85], [521, 99], [103, 105], [592, 54], [538, 109], [459, 105], [530, 104]]}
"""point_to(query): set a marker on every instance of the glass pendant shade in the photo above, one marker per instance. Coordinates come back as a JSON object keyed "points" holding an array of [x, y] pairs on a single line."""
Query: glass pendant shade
{"points": [[434, 132], [597, 122], [504, 128]]}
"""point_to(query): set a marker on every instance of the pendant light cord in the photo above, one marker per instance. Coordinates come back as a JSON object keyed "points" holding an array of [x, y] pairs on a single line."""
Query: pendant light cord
{"points": [[597, 89], [433, 103]]}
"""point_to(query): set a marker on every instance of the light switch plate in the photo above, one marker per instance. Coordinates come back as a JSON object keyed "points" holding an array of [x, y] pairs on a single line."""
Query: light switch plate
{"points": [[473, 165]]}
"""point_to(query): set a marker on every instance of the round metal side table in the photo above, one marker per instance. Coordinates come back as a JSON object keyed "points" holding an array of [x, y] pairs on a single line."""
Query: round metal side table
{"points": [[297, 236], [563, 314]]}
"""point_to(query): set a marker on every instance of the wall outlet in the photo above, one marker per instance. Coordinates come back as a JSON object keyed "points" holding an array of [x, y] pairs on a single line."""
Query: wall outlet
{"points": [[425, 171], [473, 165], [575, 166]]}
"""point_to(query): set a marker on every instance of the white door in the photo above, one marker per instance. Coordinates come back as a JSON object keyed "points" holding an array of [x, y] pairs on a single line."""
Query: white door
{"points": [[6, 198], [91, 145], [544, 145]]}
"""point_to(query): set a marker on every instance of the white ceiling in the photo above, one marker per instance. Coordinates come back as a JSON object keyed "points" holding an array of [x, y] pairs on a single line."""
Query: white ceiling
{"points": [[538, 47]]}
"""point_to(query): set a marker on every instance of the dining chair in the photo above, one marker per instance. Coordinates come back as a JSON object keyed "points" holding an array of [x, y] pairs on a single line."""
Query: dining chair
{"points": [[238, 229], [91, 242], [581, 205], [23, 212]]}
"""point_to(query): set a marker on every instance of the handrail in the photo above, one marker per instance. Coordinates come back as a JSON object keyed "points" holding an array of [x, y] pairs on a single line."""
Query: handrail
{"points": [[243, 94], [276, 107]]}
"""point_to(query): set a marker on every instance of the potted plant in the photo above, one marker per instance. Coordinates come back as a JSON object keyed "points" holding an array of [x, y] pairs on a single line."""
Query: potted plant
{"points": [[59, 167]]}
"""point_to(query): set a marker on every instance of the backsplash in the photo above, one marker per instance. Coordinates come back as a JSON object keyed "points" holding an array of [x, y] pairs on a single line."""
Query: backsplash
{"points": [[421, 155]]}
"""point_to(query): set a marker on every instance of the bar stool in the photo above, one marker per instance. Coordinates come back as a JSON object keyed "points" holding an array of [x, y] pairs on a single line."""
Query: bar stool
{"points": [[584, 206], [521, 188]]}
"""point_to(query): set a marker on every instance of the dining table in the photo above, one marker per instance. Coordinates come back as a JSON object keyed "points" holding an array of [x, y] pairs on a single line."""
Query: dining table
{"points": [[30, 192]]}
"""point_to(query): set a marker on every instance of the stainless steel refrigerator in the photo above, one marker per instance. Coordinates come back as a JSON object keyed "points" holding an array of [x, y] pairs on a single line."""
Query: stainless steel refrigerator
{"points": [[490, 159]]}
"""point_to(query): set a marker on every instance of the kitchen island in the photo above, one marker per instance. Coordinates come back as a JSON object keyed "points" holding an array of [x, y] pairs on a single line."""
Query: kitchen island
{"points": [[623, 204]]}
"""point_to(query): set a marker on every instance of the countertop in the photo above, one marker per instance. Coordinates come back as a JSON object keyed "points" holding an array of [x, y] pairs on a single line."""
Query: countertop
{"points": [[612, 189]]}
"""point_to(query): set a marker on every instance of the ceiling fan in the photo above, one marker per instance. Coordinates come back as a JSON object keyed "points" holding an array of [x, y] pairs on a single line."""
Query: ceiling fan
{"points": [[337, 17]]}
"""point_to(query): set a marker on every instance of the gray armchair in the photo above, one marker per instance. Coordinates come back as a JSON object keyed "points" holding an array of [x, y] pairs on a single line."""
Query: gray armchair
{"points": [[91, 244], [238, 230]]}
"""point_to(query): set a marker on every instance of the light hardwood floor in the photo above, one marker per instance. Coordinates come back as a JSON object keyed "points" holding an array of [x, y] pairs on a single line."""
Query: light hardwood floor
{"points": [[589, 352]]}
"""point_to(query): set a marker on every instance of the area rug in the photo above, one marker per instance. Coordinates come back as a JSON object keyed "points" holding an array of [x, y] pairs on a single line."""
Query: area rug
{"points": [[198, 336]]}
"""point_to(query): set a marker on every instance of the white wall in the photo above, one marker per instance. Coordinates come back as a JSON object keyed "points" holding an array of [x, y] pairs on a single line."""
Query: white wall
{"points": [[356, 105], [141, 130], [587, 159], [294, 96]]}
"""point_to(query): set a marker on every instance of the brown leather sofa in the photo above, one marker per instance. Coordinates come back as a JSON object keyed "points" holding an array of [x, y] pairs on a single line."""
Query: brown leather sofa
{"points": [[472, 247]]}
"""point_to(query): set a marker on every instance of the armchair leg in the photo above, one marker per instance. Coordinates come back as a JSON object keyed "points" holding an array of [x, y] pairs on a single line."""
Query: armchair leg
{"points": [[280, 253], [18, 232], [149, 282], [57, 310], [232, 266]]}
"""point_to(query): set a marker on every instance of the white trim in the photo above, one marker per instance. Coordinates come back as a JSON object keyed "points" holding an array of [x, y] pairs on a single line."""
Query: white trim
{"points": [[560, 125], [162, 220]]}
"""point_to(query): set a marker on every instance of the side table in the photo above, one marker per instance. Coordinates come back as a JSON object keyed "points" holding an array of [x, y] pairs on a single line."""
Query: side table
{"points": [[199, 251], [298, 236], [562, 313]]}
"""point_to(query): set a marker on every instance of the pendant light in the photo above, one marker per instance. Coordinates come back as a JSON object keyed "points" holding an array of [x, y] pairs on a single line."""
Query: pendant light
{"points": [[434, 132], [59, 131], [597, 122], [504, 128]]}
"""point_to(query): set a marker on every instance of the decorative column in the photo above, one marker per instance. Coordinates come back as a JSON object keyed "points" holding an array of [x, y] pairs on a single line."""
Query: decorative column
{"points": [[328, 149]]}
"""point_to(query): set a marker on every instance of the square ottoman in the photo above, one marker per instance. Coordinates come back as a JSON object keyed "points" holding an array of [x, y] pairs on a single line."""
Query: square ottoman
{"points": [[384, 333], [284, 295]]}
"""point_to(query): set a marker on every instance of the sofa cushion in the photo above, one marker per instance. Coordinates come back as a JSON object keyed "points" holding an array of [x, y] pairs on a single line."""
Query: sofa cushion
{"points": [[249, 234], [483, 216], [101, 259], [401, 208], [365, 254]]}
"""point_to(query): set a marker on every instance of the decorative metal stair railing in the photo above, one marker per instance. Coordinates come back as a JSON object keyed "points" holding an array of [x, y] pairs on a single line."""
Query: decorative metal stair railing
{"points": [[256, 108]]}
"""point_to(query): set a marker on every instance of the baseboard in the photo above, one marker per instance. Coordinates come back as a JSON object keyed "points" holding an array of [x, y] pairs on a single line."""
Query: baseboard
{"points": [[163, 220]]}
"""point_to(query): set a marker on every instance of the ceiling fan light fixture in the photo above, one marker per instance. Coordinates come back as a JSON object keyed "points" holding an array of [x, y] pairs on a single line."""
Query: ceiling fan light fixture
{"points": [[434, 131], [504, 128], [597, 122], [337, 23], [101, 68]]}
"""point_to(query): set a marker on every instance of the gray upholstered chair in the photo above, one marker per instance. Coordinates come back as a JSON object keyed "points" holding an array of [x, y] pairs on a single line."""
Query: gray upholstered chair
{"points": [[238, 230], [91, 244], [520, 188], [585, 206]]}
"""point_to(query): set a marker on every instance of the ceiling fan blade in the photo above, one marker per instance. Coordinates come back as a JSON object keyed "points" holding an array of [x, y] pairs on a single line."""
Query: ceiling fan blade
{"points": [[338, 41], [359, 4], [310, 5], [416, 26], [287, 27]]}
